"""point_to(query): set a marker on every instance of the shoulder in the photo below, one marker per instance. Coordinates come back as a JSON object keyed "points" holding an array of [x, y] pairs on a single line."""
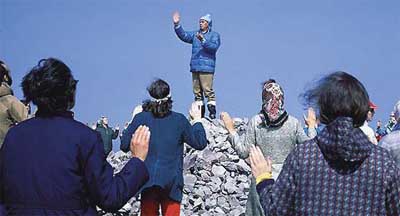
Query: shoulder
{"points": [[256, 119], [392, 140]]}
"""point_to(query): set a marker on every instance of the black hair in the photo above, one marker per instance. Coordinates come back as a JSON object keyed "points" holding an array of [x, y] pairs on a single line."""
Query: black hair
{"points": [[338, 95], [158, 89], [4, 71], [50, 86]]}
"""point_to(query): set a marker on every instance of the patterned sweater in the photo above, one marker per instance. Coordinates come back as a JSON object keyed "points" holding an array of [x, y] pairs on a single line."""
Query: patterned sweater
{"points": [[340, 172], [276, 143]]}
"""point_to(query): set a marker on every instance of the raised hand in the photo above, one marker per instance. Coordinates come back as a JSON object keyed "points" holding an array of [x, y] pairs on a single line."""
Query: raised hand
{"points": [[311, 119], [259, 165], [228, 122], [176, 17], [140, 142], [195, 111]]}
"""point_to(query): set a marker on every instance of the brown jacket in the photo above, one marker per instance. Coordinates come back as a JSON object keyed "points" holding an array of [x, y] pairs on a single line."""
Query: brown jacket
{"points": [[12, 110]]}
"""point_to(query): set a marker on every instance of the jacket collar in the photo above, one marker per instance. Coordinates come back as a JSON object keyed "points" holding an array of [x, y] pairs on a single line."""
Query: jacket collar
{"points": [[64, 114], [5, 89]]}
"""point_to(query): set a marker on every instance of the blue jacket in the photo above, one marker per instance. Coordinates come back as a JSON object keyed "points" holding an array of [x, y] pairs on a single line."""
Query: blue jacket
{"points": [[165, 158], [203, 52], [56, 166]]}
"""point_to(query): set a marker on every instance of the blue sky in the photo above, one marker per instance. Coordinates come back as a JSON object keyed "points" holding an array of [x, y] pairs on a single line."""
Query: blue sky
{"points": [[116, 48]]}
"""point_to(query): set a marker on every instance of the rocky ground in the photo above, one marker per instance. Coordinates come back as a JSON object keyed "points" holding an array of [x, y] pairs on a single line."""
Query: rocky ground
{"points": [[216, 179]]}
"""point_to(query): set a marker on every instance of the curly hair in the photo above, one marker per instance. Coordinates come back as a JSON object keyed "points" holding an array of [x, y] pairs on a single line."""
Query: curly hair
{"points": [[161, 104], [50, 86]]}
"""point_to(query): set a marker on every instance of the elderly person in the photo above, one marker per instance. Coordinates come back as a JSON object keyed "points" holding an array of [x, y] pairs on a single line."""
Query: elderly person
{"points": [[205, 43], [274, 131], [340, 172], [392, 140], [54, 165]]}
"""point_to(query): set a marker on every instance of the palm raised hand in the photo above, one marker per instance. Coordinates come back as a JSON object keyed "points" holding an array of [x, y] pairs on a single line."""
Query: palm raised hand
{"points": [[176, 17]]}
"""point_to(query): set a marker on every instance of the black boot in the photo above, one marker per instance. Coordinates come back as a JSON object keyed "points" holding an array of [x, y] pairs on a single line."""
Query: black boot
{"points": [[212, 111], [203, 110]]}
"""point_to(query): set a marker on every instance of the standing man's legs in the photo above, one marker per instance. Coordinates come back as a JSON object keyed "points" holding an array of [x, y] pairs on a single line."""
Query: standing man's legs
{"points": [[206, 82], [198, 91]]}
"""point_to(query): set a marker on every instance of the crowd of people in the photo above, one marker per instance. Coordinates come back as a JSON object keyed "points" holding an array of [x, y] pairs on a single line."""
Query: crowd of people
{"points": [[52, 164]]}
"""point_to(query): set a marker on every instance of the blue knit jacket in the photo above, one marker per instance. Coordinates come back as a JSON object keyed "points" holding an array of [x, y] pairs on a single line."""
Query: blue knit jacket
{"points": [[165, 157], [203, 52], [340, 172]]}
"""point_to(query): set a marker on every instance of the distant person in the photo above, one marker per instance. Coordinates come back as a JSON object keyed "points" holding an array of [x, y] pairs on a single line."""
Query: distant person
{"points": [[366, 128], [107, 133], [12, 110], [274, 131], [340, 172], [392, 140], [54, 165], [205, 43], [170, 130]]}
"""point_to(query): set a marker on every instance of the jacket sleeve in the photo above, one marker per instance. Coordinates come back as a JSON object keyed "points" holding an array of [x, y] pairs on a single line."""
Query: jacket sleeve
{"points": [[17, 110], [277, 198], [127, 136], [212, 44], [105, 190], [184, 35], [195, 136], [392, 192], [242, 144], [301, 135]]}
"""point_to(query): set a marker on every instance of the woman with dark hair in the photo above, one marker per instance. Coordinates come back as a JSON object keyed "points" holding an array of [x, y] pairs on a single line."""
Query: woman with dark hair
{"points": [[274, 131], [340, 172], [12, 110], [165, 160], [54, 165]]}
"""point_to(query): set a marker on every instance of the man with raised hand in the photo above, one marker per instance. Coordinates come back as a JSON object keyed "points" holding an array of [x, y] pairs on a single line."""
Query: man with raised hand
{"points": [[205, 44]]}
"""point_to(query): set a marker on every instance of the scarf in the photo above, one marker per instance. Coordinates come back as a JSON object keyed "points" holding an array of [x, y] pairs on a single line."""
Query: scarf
{"points": [[274, 114]]}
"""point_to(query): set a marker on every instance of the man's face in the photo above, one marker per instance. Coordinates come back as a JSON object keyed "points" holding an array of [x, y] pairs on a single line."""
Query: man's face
{"points": [[370, 115], [203, 25], [105, 120]]}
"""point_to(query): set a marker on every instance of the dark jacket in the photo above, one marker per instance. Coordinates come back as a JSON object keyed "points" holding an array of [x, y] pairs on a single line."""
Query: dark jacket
{"points": [[340, 172], [107, 135], [56, 166], [203, 52], [165, 158], [12, 110]]}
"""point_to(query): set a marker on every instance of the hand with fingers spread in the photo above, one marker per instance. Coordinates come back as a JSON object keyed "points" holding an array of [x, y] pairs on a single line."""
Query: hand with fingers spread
{"points": [[228, 122], [195, 111], [176, 17], [311, 118], [140, 142], [259, 165]]}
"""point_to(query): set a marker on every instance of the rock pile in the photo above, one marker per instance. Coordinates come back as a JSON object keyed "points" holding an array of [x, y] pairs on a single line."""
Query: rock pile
{"points": [[216, 179]]}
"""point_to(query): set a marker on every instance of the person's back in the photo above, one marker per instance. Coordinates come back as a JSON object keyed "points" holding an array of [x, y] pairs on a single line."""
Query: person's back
{"points": [[54, 165], [340, 172], [170, 130]]}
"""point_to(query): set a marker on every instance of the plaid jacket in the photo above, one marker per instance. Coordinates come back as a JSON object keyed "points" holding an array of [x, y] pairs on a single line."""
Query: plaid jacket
{"points": [[340, 172]]}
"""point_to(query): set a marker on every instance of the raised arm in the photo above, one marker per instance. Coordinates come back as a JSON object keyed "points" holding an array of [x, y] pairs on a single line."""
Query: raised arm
{"points": [[242, 143], [112, 192], [195, 136], [182, 34]]}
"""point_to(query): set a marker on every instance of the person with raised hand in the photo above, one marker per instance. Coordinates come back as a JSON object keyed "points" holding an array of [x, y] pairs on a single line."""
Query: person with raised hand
{"points": [[340, 172], [273, 130], [170, 130], [53, 164], [205, 43]]}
